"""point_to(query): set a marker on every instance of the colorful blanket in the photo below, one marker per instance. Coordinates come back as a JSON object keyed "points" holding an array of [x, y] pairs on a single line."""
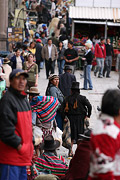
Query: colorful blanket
{"points": [[49, 162], [45, 107]]}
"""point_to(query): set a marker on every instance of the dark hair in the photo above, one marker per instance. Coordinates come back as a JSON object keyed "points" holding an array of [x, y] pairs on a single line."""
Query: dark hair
{"points": [[49, 39], [60, 42], [42, 33], [53, 34], [17, 50], [31, 43], [111, 102], [30, 55], [70, 42], [75, 91], [102, 38]]}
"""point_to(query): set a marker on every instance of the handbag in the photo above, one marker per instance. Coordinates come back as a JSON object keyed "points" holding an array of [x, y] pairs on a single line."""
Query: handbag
{"points": [[66, 136], [57, 134]]}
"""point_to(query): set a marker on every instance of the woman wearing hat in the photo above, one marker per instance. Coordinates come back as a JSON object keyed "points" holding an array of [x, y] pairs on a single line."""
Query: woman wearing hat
{"points": [[53, 90], [76, 107], [87, 67], [32, 69], [48, 162]]}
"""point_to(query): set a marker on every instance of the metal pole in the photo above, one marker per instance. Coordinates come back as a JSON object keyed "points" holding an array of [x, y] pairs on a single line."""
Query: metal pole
{"points": [[73, 28], [106, 30]]}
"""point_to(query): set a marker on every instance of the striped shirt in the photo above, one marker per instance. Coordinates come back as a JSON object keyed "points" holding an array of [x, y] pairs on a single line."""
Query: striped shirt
{"points": [[48, 161], [45, 107]]}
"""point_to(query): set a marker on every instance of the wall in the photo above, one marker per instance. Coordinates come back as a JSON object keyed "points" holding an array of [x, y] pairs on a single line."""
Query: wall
{"points": [[98, 3]]}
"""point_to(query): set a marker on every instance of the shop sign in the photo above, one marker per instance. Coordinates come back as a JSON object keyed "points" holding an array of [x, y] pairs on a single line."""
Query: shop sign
{"points": [[15, 34]]}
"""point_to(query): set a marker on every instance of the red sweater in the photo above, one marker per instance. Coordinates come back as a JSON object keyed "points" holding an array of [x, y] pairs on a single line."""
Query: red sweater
{"points": [[100, 51], [105, 159]]}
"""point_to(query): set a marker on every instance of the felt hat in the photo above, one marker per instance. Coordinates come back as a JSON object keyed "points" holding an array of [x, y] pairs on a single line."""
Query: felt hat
{"points": [[86, 135], [17, 72], [75, 85], [49, 143], [6, 61], [67, 67], [33, 90], [52, 76]]}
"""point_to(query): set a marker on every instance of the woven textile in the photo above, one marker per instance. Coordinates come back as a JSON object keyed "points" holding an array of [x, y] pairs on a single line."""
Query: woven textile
{"points": [[45, 107], [48, 161]]}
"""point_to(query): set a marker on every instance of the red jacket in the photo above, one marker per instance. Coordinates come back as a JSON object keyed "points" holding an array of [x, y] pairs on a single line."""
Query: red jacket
{"points": [[105, 141], [100, 51], [15, 129]]}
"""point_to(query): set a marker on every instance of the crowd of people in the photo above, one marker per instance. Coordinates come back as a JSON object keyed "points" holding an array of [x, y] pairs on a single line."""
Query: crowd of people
{"points": [[34, 126]]}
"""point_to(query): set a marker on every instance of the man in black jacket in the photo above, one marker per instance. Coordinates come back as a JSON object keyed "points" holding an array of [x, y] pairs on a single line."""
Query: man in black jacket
{"points": [[65, 81], [38, 53], [108, 59], [16, 148]]}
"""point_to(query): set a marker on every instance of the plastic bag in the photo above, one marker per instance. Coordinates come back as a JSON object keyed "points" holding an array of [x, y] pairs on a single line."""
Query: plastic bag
{"points": [[37, 133], [57, 135]]}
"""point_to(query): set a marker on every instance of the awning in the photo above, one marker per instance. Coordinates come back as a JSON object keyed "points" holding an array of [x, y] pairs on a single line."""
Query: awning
{"points": [[94, 13]]}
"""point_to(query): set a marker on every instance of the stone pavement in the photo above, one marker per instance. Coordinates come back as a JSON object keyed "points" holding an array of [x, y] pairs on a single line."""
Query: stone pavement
{"points": [[100, 85]]}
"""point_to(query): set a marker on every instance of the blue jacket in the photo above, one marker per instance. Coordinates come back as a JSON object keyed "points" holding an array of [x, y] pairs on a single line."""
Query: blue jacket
{"points": [[13, 60]]}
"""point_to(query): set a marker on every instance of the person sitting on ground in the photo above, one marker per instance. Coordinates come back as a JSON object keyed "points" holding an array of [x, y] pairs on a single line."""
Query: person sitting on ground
{"points": [[105, 139], [80, 163], [65, 81], [48, 162]]}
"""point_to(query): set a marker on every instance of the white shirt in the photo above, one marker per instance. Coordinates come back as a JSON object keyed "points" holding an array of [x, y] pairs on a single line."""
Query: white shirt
{"points": [[18, 62], [50, 50]]}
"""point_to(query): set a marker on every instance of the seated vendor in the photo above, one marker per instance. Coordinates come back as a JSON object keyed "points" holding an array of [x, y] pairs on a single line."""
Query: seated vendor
{"points": [[48, 162]]}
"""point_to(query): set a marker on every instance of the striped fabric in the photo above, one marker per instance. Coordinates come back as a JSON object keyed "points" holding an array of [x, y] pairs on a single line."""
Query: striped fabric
{"points": [[45, 107], [48, 161]]}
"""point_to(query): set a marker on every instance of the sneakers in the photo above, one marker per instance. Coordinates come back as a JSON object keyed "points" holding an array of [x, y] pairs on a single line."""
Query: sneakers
{"points": [[99, 76], [95, 73]]}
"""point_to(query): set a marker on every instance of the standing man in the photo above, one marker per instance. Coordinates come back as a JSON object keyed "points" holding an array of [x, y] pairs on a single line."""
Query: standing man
{"points": [[66, 80], [108, 60], [38, 53], [49, 53], [16, 148], [71, 56], [100, 55]]}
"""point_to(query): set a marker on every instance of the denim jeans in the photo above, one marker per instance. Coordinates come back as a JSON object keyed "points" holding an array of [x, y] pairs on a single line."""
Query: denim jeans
{"points": [[61, 64], [87, 77], [108, 65], [9, 172], [100, 66]]}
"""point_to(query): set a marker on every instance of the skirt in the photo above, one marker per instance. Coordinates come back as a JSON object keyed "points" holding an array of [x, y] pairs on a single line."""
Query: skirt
{"points": [[76, 125]]}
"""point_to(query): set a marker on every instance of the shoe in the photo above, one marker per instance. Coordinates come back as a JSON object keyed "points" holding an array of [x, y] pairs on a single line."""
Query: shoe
{"points": [[90, 89], [83, 89], [118, 87], [108, 77], [99, 76], [95, 73]]}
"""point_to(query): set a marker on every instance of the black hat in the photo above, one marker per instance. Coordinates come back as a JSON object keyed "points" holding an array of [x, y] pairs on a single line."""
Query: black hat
{"points": [[16, 73], [86, 135], [75, 85], [49, 143], [67, 68]]}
